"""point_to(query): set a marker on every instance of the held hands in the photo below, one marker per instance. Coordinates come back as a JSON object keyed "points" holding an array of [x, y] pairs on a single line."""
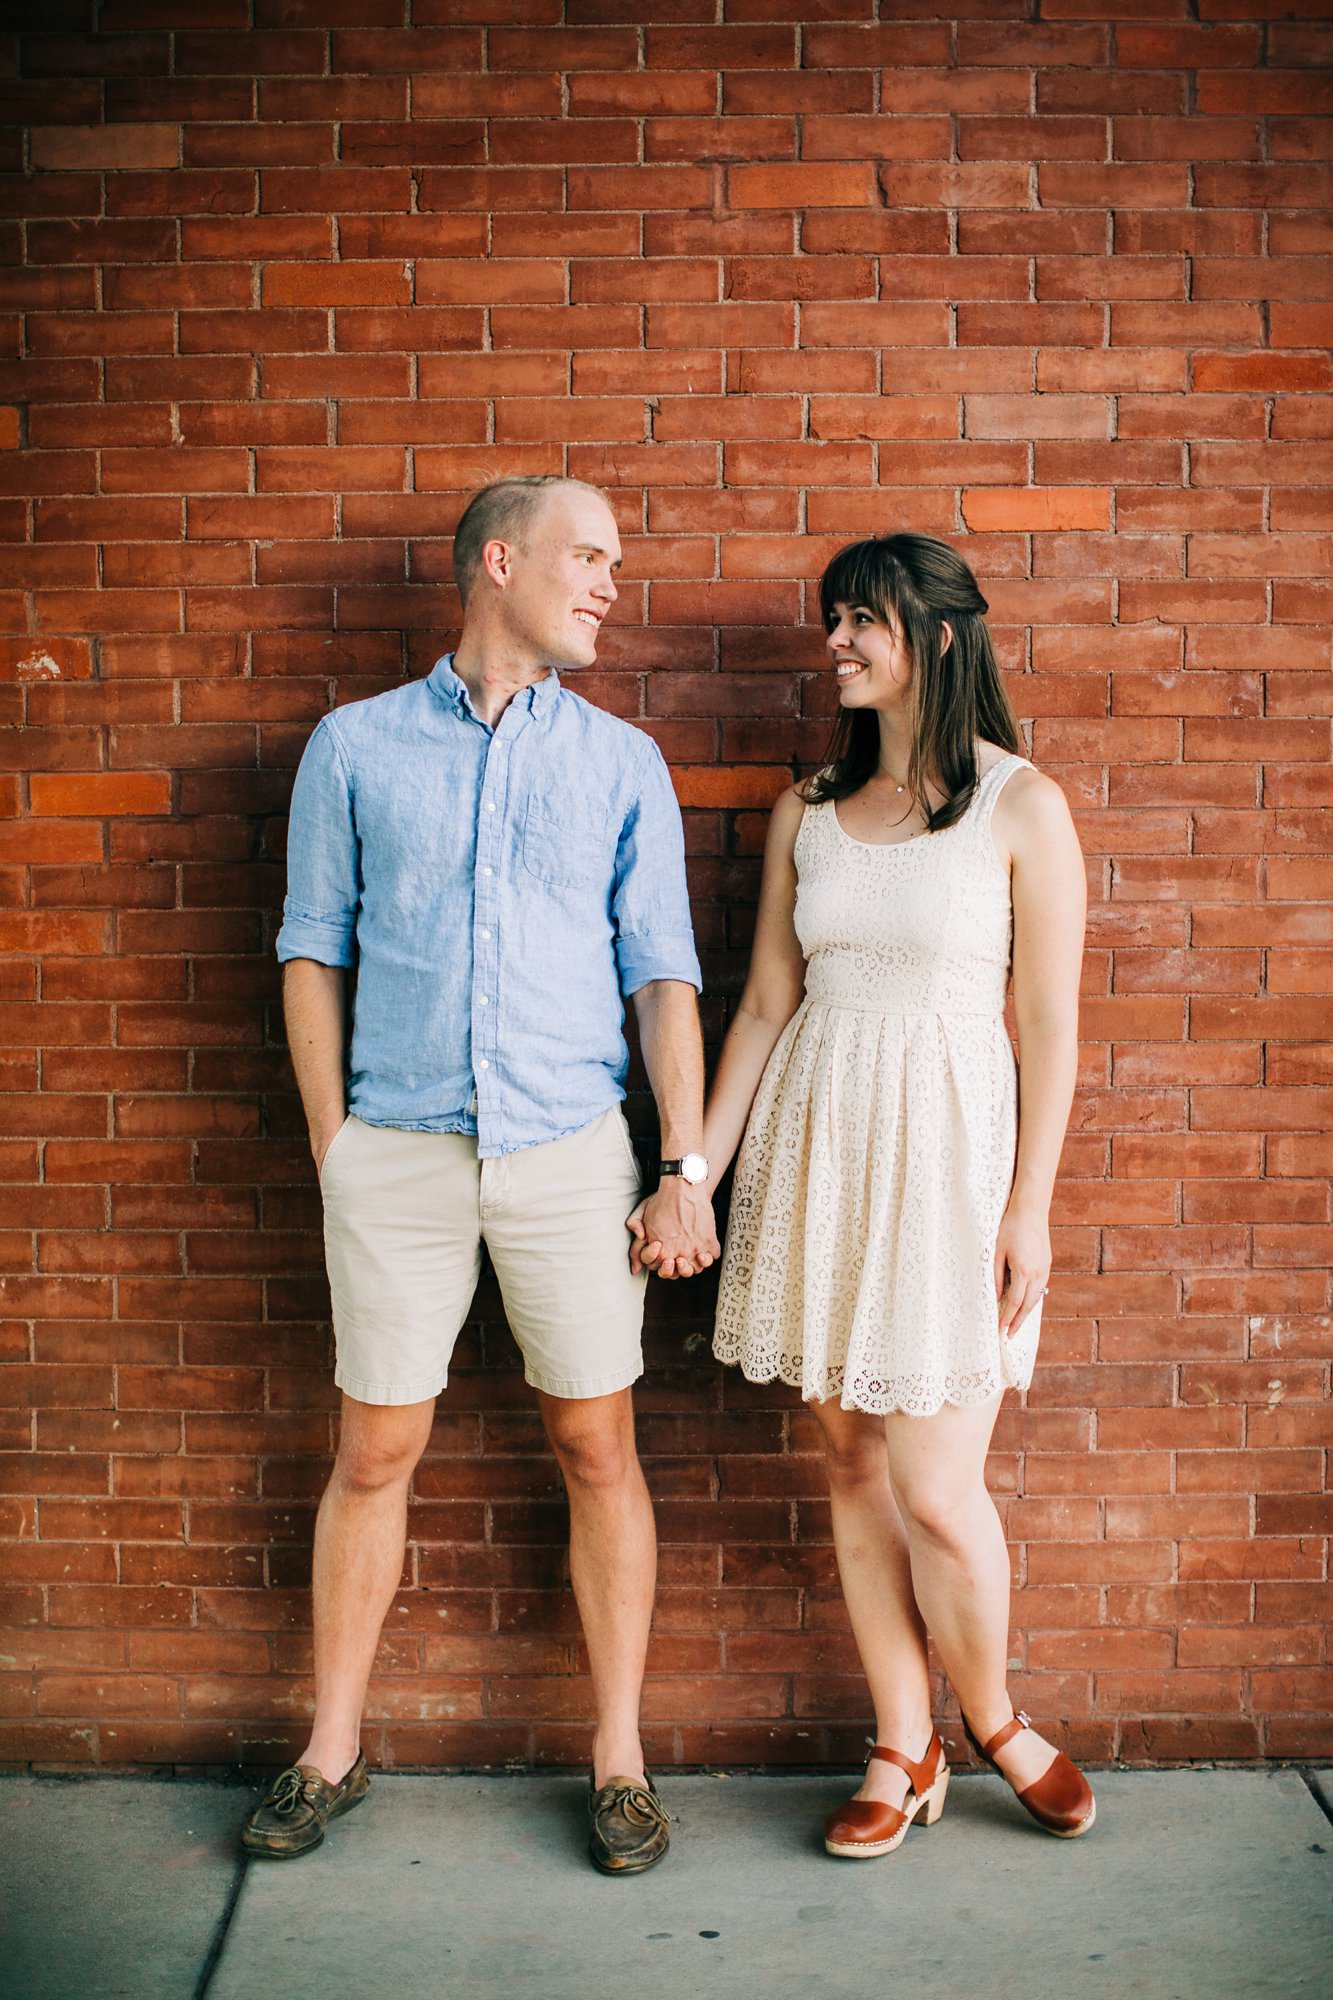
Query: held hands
{"points": [[672, 1232], [1022, 1266]]}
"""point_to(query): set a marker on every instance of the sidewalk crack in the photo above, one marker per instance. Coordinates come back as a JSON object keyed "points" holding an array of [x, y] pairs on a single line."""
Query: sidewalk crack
{"points": [[213, 1956]]}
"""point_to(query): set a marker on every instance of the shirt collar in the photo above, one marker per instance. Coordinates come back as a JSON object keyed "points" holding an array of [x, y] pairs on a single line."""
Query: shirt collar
{"points": [[539, 699]]}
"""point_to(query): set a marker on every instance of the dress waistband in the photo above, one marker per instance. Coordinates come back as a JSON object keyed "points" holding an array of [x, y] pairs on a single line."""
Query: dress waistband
{"points": [[924, 1013]]}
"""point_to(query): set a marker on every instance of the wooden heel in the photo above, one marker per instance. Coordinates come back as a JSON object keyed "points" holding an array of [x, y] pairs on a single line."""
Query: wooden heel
{"points": [[864, 1828], [935, 1797]]}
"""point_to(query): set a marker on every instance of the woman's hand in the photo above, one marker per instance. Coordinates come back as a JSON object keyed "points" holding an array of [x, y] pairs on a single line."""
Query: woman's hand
{"points": [[1022, 1265], [678, 1238]]}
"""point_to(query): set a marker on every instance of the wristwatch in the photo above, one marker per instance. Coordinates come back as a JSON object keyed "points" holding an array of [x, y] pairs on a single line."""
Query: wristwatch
{"points": [[693, 1168]]}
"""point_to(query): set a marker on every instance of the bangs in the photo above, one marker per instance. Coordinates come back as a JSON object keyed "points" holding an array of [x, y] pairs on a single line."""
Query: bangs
{"points": [[863, 573]]}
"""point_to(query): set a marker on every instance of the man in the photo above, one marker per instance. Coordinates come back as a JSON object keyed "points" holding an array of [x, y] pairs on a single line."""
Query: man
{"points": [[503, 864]]}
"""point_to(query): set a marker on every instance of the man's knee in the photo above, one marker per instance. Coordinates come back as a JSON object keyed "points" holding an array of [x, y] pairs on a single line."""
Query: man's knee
{"points": [[593, 1441], [380, 1444]]}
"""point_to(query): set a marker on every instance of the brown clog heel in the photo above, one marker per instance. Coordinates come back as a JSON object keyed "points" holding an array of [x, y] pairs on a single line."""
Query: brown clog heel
{"points": [[864, 1828], [1060, 1799]]}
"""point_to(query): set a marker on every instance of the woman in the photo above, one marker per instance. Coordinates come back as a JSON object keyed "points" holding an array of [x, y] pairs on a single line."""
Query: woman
{"points": [[888, 1248]]}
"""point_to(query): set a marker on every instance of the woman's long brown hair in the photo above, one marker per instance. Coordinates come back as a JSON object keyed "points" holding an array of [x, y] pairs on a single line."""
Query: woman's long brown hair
{"points": [[957, 694]]}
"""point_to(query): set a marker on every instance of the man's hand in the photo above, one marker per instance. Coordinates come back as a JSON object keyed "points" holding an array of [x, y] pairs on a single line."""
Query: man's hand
{"points": [[322, 1136], [673, 1231]]}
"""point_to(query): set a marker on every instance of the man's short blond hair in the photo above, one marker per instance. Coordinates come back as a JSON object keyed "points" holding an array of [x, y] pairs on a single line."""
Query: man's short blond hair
{"points": [[502, 512]]}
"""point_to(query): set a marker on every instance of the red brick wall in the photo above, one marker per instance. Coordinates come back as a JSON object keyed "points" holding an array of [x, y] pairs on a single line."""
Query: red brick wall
{"points": [[284, 282]]}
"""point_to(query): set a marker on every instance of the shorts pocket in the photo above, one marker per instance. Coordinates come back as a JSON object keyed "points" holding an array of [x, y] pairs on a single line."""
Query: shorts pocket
{"points": [[332, 1147], [635, 1162]]}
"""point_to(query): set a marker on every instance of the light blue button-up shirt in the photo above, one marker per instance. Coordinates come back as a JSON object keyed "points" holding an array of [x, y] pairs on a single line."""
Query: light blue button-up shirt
{"points": [[501, 893]]}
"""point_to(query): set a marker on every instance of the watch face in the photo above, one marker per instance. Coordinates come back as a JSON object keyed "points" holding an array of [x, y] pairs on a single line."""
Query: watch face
{"points": [[694, 1168]]}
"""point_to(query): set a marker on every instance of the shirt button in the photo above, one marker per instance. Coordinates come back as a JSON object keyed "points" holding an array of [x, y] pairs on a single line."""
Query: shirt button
{"points": [[488, 871], [483, 1064], [485, 936], [490, 805], [483, 999]]}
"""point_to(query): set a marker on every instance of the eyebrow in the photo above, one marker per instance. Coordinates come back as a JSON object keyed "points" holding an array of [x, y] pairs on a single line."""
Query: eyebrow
{"points": [[594, 548]]}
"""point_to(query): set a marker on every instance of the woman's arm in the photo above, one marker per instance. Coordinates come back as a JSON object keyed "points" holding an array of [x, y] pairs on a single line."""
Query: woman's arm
{"points": [[1050, 908], [773, 990]]}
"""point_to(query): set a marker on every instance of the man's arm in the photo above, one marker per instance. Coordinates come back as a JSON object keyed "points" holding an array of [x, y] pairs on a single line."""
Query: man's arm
{"points": [[678, 1217], [314, 1000], [317, 942]]}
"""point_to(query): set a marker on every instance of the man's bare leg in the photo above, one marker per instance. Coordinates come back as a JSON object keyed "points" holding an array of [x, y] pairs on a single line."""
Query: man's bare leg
{"points": [[359, 1540], [613, 1563]]}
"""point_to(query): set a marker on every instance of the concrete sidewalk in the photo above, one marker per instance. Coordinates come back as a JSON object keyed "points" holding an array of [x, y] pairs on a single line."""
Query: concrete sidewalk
{"points": [[1193, 1883]]}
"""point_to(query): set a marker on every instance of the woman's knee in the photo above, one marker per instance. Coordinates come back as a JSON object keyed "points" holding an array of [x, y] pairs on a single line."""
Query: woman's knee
{"points": [[854, 1451], [944, 1512]]}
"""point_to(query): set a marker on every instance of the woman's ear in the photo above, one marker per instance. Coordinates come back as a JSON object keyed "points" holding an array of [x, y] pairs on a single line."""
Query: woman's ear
{"points": [[946, 636]]}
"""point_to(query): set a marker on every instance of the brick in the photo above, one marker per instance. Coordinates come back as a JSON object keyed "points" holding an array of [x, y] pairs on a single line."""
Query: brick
{"points": [[1009, 508], [1188, 232], [238, 239], [69, 148], [1262, 187], [101, 793], [852, 138], [259, 146], [1044, 137], [1194, 138], [800, 186], [336, 285], [1008, 41], [1120, 186]]}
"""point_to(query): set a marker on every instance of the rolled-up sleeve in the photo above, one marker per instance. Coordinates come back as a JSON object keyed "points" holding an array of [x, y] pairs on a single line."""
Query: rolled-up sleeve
{"points": [[654, 937], [323, 859]]}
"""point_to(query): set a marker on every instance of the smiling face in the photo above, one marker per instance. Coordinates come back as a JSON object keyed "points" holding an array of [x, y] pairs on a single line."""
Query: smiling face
{"points": [[559, 579], [870, 657]]}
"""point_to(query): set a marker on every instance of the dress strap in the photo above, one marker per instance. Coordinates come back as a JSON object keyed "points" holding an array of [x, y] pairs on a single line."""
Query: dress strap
{"points": [[813, 826], [991, 784]]}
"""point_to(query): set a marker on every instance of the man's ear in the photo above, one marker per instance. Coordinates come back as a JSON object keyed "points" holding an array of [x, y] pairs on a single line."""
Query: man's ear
{"points": [[946, 636], [497, 559]]}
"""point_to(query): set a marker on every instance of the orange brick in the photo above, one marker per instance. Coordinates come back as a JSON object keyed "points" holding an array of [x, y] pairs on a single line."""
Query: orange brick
{"points": [[801, 186], [1006, 508], [98, 794]]}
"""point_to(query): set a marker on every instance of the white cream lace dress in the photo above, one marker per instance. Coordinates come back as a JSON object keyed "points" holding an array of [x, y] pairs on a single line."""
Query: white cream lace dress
{"points": [[878, 1159]]}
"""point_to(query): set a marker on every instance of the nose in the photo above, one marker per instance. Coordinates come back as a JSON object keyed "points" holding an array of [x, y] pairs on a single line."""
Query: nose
{"points": [[606, 587]]}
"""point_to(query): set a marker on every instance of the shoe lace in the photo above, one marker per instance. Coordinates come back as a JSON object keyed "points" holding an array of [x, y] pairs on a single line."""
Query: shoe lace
{"points": [[637, 1802], [287, 1792]]}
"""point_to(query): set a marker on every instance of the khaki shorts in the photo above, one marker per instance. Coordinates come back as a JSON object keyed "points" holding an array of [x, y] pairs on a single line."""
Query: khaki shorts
{"points": [[405, 1216]]}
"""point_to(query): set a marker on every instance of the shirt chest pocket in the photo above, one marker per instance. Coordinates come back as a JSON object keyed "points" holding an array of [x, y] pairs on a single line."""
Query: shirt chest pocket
{"points": [[572, 852]]}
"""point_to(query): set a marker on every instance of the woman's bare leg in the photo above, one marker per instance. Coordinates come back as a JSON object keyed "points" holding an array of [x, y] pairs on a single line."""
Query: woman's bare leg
{"points": [[874, 1567], [960, 1566]]}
